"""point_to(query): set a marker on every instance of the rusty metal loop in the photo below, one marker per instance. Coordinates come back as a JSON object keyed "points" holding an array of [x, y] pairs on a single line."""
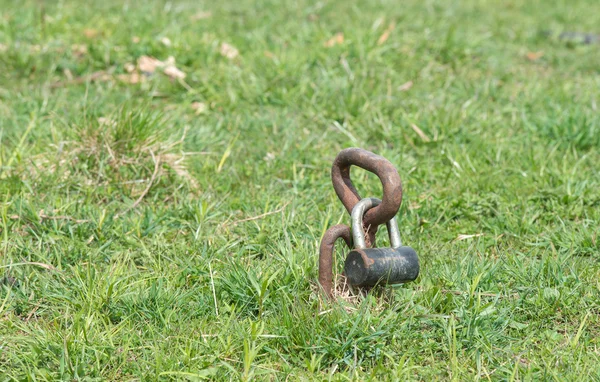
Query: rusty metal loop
{"points": [[326, 255], [346, 192]]}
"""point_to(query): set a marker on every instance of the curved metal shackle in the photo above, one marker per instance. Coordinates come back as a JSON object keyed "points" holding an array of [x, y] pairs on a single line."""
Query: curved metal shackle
{"points": [[387, 173], [358, 234], [326, 255]]}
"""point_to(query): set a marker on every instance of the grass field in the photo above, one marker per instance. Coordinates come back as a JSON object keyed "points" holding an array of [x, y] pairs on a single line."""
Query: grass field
{"points": [[160, 220]]}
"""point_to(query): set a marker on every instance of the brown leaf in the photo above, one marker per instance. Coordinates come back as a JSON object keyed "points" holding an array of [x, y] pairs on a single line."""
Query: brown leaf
{"points": [[129, 67], [135, 39], [534, 56], [406, 86], [173, 72], [201, 15], [148, 64], [131, 78], [337, 39], [269, 54], [43, 265], [229, 51], [91, 33], [386, 34]]}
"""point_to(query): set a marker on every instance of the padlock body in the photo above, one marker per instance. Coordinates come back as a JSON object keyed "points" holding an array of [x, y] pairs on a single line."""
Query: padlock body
{"points": [[371, 266]]}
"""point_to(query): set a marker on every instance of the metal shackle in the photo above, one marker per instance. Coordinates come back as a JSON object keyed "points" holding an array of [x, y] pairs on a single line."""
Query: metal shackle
{"points": [[340, 231], [358, 234]]}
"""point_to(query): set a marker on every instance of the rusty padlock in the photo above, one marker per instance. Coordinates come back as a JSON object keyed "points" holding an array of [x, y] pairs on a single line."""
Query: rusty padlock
{"points": [[370, 266]]}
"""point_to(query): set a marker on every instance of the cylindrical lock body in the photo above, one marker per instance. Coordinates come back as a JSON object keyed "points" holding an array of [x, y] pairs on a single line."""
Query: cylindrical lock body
{"points": [[371, 266]]}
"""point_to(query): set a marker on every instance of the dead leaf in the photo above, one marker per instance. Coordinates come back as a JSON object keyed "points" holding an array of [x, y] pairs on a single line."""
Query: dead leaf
{"points": [[129, 67], [465, 237], [3, 48], [338, 38], [135, 39], [131, 78], [534, 56], [148, 64], [405, 86], [91, 33], [43, 265], [229, 51], [386, 34], [269, 54], [420, 133], [199, 107], [173, 72], [166, 41], [201, 15]]}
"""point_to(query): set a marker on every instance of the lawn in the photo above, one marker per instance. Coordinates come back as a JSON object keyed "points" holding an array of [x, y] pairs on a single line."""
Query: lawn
{"points": [[165, 183]]}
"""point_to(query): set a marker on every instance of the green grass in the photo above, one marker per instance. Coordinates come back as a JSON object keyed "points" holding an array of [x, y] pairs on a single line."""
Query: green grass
{"points": [[141, 240]]}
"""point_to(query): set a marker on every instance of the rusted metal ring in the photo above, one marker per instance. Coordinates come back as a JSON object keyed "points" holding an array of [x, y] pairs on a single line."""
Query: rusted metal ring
{"points": [[326, 255], [346, 192]]}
